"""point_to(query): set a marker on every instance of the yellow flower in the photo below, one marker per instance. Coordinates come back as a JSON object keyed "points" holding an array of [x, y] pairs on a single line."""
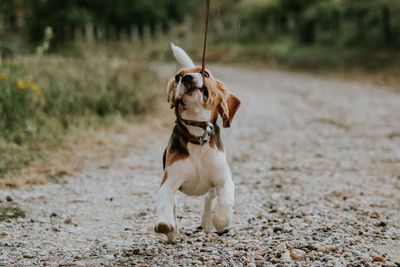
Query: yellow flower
{"points": [[3, 76], [34, 88], [21, 84]]}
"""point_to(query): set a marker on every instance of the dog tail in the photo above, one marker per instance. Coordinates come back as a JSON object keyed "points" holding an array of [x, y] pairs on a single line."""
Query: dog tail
{"points": [[182, 57]]}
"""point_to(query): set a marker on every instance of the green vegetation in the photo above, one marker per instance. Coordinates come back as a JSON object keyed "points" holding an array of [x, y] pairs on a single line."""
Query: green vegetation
{"points": [[107, 19], [8, 212], [42, 97], [324, 34]]}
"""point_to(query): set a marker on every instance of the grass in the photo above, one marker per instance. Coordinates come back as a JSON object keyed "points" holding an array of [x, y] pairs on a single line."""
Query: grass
{"points": [[43, 99], [8, 212]]}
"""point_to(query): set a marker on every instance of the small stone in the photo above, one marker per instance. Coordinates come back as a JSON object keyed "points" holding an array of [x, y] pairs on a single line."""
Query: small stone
{"points": [[374, 215], [326, 249], [9, 199], [28, 255], [131, 251], [68, 221], [109, 256], [277, 229], [261, 263], [382, 224], [281, 247], [274, 260], [296, 254], [188, 233], [378, 259], [286, 256], [142, 214], [3, 234], [53, 214]]}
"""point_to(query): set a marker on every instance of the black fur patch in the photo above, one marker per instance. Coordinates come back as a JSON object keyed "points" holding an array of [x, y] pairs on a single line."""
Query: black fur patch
{"points": [[177, 144], [164, 158]]}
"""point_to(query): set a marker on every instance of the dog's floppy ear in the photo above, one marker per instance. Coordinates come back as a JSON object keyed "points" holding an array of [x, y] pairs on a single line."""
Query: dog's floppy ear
{"points": [[171, 92], [228, 105]]}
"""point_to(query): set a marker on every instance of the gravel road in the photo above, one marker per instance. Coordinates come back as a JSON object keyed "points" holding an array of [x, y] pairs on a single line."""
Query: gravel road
{"points": [[316, 163]]}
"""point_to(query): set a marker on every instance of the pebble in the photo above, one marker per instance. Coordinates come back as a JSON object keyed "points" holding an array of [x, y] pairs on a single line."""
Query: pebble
{"points": [[296, 254], [378, 259]]}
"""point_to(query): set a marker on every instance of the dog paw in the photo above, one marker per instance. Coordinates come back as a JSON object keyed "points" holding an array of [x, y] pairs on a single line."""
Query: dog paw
{"points": [[221, 223], [164, 228], [223, 232]]}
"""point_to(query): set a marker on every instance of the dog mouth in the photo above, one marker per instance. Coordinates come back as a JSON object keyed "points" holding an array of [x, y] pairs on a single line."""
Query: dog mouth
{"points": [[203, 90], [190, 90]]}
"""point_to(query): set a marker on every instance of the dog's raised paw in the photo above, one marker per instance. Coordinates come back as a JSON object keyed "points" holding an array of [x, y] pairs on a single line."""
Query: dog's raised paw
{"points": [[164, 228]]}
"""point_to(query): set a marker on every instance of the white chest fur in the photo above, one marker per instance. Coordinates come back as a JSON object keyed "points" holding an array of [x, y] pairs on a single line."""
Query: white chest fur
{"points": [[205, 168]]}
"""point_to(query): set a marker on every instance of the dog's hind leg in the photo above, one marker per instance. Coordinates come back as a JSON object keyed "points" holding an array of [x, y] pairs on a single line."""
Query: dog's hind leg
{"points": [[207, 213]]}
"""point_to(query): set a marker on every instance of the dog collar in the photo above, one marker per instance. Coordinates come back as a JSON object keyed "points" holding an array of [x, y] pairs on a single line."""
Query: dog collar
{"points": [[181, 124]]}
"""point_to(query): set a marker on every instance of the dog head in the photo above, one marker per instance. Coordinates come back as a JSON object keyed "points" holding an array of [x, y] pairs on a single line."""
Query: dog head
{"points": [[189, 86]]}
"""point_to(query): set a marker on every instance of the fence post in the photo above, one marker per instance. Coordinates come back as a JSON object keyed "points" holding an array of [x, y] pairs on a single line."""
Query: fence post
{"points": [[146, 33], [134, 33], [1, 23], [386, 27], [78, 33], [158, 31], [89, 32]]}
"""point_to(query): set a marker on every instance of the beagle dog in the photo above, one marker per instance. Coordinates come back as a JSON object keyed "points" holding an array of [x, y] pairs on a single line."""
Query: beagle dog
{"points": [[194, 161]]}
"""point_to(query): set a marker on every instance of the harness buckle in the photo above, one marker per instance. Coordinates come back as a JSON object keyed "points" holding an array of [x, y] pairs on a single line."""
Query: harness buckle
{"points": [[207, 133]]}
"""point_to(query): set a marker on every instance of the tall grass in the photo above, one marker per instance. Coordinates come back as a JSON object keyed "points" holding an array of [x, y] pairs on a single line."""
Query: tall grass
{"points": [[42, 97]]}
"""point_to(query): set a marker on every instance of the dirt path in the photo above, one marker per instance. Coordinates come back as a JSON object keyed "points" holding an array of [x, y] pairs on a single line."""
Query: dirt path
{"points": [[316, 165]]}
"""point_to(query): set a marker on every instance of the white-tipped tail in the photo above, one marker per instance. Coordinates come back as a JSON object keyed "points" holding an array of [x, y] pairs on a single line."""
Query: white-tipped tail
{"points": [[182, 57]]}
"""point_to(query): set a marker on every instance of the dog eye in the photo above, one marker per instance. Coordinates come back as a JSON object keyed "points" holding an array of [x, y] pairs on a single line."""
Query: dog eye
{"points": [[178, 78], [206, 74]]}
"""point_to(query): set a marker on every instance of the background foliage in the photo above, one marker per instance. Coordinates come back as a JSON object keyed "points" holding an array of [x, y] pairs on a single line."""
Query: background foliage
{"points": [[75, 63]]}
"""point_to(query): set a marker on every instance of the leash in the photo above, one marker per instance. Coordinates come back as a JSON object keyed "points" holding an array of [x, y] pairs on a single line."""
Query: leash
{"points": [[181, 123], [207, 12]]}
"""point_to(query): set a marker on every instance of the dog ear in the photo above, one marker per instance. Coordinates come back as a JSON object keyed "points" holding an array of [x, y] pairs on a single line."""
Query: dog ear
{"points": [[228, 105], [171, 92]]}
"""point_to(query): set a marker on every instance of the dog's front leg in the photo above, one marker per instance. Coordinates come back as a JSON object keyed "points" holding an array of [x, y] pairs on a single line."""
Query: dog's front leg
{"points": [[166, 217], [207, 212], [224, 209]]}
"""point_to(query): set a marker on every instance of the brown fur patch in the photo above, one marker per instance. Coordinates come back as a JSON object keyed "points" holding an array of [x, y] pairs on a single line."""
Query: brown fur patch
{"points": [[172, 157], [177, 148], [164, 179]]}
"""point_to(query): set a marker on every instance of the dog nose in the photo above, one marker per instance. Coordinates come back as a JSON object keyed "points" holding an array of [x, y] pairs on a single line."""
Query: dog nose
{"points": [[187, 78]]}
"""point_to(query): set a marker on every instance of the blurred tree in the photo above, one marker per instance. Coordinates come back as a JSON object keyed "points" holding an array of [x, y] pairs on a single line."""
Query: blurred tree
{"points": [[116, 17]]}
